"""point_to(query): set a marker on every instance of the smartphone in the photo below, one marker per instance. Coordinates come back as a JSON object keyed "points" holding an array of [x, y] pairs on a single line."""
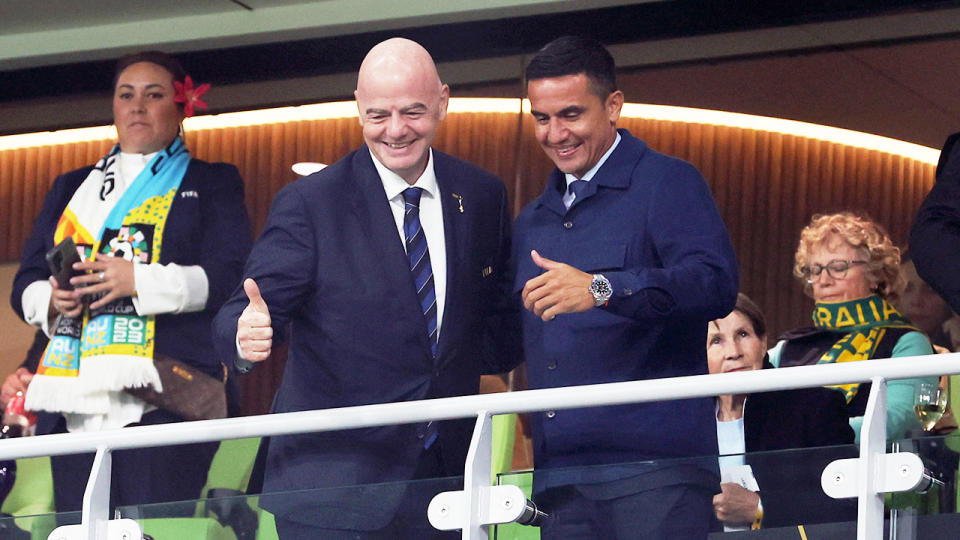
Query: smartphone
{"points": [[60, 259]]}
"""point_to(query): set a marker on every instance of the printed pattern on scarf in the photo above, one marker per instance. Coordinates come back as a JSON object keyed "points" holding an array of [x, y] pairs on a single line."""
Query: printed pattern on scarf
{"points": [[865, 320], [110, 348]]}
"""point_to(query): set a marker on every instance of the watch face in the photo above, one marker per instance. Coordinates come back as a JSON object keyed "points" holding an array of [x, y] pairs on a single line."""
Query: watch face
{"points": [[600, 288]]}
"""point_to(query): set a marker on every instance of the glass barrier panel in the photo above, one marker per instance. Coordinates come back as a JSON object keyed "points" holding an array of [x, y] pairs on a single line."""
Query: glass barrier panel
{"points": [[400, 507], [786, 482], [34, 527], [27, 510], [930, 511]]}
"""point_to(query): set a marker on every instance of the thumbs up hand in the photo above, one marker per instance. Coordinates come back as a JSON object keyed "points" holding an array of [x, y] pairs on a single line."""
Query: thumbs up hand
{"points": [[560, 289], [254, 333]]}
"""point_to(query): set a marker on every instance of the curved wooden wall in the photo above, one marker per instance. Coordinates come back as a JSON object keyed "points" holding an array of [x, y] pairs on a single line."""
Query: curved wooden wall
{"points": [[767, 185]]}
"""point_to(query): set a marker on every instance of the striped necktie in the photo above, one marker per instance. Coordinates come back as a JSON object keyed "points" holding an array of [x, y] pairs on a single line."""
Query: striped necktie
{"points": [[420, 267]]}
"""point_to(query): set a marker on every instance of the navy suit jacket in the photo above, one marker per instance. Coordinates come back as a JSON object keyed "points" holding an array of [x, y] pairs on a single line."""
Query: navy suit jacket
{"points": [[331, 264], [648, 223]]}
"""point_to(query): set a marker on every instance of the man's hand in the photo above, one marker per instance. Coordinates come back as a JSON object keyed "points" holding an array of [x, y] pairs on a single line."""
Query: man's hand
{"points": [[561, 289], [254, 333], [735, 504], [18, 381]]}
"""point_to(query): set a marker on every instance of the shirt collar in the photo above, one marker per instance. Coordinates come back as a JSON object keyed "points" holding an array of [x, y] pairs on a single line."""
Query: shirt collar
{"points": [[393, 184], [132, 164], [589, 175]]}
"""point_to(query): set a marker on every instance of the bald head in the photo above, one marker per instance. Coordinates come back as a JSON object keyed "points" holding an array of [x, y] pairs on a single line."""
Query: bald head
{"points": [[401, 102], [398, 58]]}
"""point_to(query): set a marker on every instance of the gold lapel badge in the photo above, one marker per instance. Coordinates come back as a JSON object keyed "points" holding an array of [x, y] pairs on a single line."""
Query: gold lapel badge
{"points": [[459, 201]]}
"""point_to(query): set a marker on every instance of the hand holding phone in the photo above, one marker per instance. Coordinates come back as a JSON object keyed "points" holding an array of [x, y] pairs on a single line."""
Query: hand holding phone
{"points": [[60, 260]]}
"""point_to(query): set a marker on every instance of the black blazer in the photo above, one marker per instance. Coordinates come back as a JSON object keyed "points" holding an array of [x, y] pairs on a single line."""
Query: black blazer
{"points": [[785, 432], [331, 265], [935, 235]]}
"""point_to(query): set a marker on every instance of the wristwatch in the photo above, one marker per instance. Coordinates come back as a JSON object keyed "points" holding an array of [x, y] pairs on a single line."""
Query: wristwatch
{"points": [[601, 290]]}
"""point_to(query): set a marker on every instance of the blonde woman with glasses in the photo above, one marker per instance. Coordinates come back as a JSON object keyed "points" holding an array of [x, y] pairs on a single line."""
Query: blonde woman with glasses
{"points": [[849, 266]]}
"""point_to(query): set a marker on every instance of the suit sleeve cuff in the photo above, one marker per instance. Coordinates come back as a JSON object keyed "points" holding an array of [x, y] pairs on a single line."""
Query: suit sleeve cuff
{"points": [[623, 284]]}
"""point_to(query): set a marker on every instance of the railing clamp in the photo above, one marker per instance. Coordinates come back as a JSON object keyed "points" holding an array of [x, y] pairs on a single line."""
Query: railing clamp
{"points": [[894, 473], [498, 504], [117, 529]]}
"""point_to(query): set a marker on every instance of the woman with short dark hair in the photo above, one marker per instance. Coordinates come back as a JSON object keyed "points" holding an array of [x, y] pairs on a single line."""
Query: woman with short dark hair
{"points": [[779, 489]]}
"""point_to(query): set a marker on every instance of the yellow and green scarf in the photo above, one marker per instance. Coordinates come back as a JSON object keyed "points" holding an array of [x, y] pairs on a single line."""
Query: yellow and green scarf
{"points": [[110, 348], [865, 321]]}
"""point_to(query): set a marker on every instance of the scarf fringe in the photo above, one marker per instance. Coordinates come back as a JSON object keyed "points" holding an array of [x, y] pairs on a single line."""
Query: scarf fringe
{"points": [[114, 372], [89, 393], [64, 394]]}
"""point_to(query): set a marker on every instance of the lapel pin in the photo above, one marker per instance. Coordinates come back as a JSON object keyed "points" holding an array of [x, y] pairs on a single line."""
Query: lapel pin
{"points": [[487, 270], [459, 201]]}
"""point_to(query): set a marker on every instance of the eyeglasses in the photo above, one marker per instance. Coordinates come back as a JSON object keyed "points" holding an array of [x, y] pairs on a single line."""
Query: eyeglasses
{"points": [[837, 269]]}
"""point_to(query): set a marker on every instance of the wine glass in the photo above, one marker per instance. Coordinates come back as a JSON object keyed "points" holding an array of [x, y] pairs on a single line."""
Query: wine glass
{"points": [[930, 403]]}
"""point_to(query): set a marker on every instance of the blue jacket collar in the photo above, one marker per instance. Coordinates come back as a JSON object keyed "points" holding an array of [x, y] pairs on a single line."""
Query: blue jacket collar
{"points": [[616, 173]]}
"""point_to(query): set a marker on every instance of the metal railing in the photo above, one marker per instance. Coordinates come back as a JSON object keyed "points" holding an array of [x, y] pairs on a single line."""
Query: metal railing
{"points": [[94, 522]]}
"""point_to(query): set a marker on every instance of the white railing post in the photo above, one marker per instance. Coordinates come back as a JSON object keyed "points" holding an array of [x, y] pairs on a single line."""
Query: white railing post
{"points": [[479, 505], [95, 523], [871, 467], [96, 498], [875, 472], [466, 510], [476, 477]]}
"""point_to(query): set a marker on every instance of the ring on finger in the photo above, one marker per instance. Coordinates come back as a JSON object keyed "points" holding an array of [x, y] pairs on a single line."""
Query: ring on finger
{"points": [[103, 276]]}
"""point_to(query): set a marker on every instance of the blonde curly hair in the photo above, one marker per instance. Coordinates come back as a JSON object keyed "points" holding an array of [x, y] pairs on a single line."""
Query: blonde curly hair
{"points": [[863, 234]]}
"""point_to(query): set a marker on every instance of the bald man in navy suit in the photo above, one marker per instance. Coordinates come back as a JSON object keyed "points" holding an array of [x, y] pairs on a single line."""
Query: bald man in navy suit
{"points": [[341, 259]]}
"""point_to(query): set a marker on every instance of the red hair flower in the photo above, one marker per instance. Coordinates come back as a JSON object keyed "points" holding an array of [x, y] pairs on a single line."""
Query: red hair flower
{"points": [[190, 96]]}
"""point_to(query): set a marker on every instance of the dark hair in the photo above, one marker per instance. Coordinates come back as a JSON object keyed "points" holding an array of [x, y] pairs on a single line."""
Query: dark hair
{"points": [[749, 309], [159, 58], [572, 55]]}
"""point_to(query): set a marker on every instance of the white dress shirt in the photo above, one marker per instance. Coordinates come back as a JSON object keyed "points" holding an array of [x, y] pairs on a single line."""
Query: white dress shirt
{"points": [[431, 219]]}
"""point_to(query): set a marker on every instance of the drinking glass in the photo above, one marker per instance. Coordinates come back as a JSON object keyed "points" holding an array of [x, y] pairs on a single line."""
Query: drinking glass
{"points": [[930, 403]]}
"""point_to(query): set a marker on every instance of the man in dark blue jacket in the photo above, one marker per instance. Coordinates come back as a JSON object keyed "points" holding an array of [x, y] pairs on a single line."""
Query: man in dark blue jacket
{"points": [[621, 262]]}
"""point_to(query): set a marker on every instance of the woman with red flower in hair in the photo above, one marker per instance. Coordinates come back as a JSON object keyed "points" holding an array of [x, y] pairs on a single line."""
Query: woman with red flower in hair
{"points": [[160, 239]]}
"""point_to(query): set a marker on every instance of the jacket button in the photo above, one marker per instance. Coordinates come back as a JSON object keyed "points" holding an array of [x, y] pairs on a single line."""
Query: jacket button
{"points": [[628, 292], [551, 414], [551, 366], [567, 224]]}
